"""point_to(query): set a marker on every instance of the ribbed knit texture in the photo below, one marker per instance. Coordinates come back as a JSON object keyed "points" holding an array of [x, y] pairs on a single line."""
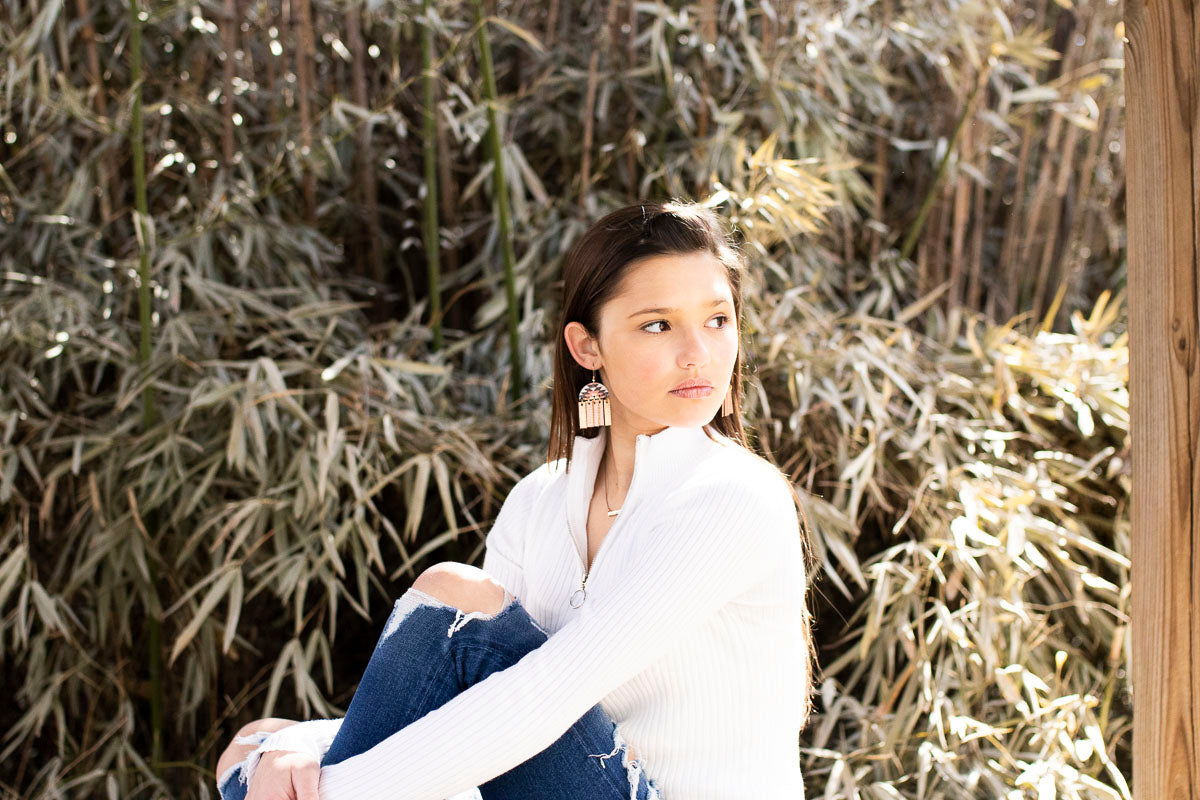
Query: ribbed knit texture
{"points": [[691, 636]]}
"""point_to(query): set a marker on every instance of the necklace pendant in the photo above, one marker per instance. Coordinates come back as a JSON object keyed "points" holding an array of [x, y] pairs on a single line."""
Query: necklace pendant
{"points": [[614, 513], [578, 597]]}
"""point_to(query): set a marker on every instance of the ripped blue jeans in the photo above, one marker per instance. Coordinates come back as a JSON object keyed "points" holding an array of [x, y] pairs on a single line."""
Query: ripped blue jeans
{"points": [[590, 761]]}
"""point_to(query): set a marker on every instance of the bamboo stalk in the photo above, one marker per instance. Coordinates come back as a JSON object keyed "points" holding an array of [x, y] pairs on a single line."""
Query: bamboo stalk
{"points": [[1008, 250], [768, 29], [998, 170], [1054, 193], [245, 40], [924, 280], [551, 24], [270, 59], [589, 111], [1109, 118], [879, 184], [614, 32], [62, 40], [1076, 213], [940, 234], [939, 177], [108, 166], [88, 32], [1038, 227], [149, 405], [517, 384], [631, 148], [304, 77], [708, 20], [1052, 245], [849, 238], [589, 104], [364, 153], [1033, 225], [708, 32], [229, 43], [962, 208], [979, 224], [452, 314], [878, 188], [430, 218]]}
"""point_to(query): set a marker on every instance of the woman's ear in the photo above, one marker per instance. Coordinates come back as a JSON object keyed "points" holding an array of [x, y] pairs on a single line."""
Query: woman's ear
{"points": [[583, 345]]}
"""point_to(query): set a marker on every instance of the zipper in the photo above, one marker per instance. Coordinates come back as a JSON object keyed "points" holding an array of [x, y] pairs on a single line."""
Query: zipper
{"points": [[580, 594]]}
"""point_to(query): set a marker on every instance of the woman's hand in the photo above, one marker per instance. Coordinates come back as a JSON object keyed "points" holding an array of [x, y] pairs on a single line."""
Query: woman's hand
{"points": [[285, 775]]}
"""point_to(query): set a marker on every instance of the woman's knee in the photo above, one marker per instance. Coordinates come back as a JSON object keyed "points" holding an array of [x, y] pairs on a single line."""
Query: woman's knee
{"points": [[235, 753], [463, 586]]}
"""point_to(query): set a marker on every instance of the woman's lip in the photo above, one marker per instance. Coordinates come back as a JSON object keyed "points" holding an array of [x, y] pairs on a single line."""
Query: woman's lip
{"points": [[693, 391]]}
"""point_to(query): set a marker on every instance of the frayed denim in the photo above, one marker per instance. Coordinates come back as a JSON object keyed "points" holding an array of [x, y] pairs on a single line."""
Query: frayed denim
{"points": [[434, 651]]}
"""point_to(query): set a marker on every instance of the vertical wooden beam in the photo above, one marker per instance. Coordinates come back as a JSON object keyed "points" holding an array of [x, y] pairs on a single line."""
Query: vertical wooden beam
{"points": [[1162, 60]]}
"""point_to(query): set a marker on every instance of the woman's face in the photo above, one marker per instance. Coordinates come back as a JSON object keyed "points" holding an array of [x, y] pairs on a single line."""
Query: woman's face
{"points": [[672, 320]]}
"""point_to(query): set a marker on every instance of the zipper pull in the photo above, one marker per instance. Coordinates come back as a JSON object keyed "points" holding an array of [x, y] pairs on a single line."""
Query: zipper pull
{"points": [[580, 594]]}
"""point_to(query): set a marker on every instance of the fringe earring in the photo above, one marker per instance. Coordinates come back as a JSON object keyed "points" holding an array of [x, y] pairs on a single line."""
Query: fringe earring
{"points": [[594, 405], [727, 406]]}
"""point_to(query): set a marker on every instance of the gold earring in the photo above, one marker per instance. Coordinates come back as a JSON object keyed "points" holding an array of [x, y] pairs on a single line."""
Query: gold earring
{"points": [[593, 404], [727, 406]]}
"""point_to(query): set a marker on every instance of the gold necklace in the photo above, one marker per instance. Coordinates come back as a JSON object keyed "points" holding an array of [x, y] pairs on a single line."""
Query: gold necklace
{"points": [[611, 513]]}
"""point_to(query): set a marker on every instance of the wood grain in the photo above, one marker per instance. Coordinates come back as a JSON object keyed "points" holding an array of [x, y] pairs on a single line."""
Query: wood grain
{"points": [[1162, 59]]}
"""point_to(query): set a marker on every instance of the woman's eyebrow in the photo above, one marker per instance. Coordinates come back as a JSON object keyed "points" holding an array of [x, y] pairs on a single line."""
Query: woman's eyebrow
{"points": [[659, 310]]}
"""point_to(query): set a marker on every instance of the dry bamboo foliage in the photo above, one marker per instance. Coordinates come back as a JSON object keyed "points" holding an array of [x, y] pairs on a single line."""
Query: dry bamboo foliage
{"points": [[991, 486], [965, 472]]}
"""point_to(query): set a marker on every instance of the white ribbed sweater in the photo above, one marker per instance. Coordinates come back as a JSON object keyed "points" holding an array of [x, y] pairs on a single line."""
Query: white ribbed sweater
{"points": [[691, 636]]}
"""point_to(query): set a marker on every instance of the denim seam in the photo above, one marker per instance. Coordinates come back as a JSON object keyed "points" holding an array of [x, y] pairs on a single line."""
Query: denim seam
{"points": [[513, 654]]}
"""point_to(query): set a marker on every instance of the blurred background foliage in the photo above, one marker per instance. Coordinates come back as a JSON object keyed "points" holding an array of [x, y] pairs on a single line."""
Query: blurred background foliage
{"points": [[277, 301]]}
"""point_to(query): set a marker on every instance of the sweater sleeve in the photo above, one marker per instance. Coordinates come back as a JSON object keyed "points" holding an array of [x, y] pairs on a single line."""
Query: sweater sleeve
{"points": [[503, 559], [710, 544], [313, 737]]}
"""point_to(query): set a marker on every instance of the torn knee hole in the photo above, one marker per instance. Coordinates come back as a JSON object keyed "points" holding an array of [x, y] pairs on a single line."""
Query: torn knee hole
{"points": [[415, 598], [633, 767]]}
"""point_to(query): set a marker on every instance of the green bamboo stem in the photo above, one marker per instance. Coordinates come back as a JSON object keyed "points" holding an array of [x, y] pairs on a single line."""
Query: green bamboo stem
{"points": [[915, 230], [149, 407], [430, 220], [501, 192]]}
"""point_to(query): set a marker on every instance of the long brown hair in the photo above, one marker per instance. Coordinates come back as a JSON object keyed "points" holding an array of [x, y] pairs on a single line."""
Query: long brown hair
{"points": [[592, 273]]}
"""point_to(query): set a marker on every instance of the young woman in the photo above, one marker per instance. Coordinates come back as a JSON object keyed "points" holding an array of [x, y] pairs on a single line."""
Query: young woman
{"points": [[639, 627]]}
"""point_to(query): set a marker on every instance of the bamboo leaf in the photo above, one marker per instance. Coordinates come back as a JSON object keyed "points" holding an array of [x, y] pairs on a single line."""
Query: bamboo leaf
{"points": [[218, 591]]}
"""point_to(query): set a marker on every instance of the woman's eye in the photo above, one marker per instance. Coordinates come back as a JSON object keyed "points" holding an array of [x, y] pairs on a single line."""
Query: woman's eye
{"points": [[724, 322]]}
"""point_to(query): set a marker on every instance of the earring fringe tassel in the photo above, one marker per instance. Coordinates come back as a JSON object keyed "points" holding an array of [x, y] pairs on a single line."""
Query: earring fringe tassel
{"points": [[594, 408]]}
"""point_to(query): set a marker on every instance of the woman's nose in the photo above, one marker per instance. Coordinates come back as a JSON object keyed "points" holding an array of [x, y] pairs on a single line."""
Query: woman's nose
{"points": [[695, 352]]}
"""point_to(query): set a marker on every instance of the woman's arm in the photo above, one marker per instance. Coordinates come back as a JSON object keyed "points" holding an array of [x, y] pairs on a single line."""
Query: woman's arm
{"points": [[713, 543], [504, 557], [502, 561]]}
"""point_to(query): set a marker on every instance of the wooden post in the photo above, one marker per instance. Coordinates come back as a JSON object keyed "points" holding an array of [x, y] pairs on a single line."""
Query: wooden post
{"points": [[1162, 70]]}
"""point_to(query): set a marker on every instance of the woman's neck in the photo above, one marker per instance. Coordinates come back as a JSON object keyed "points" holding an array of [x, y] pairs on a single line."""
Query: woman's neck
{"points": [[616, 465]]}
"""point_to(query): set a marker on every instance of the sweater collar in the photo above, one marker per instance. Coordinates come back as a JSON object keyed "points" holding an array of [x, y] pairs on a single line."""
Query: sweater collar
{"points": [[659, 459]]}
